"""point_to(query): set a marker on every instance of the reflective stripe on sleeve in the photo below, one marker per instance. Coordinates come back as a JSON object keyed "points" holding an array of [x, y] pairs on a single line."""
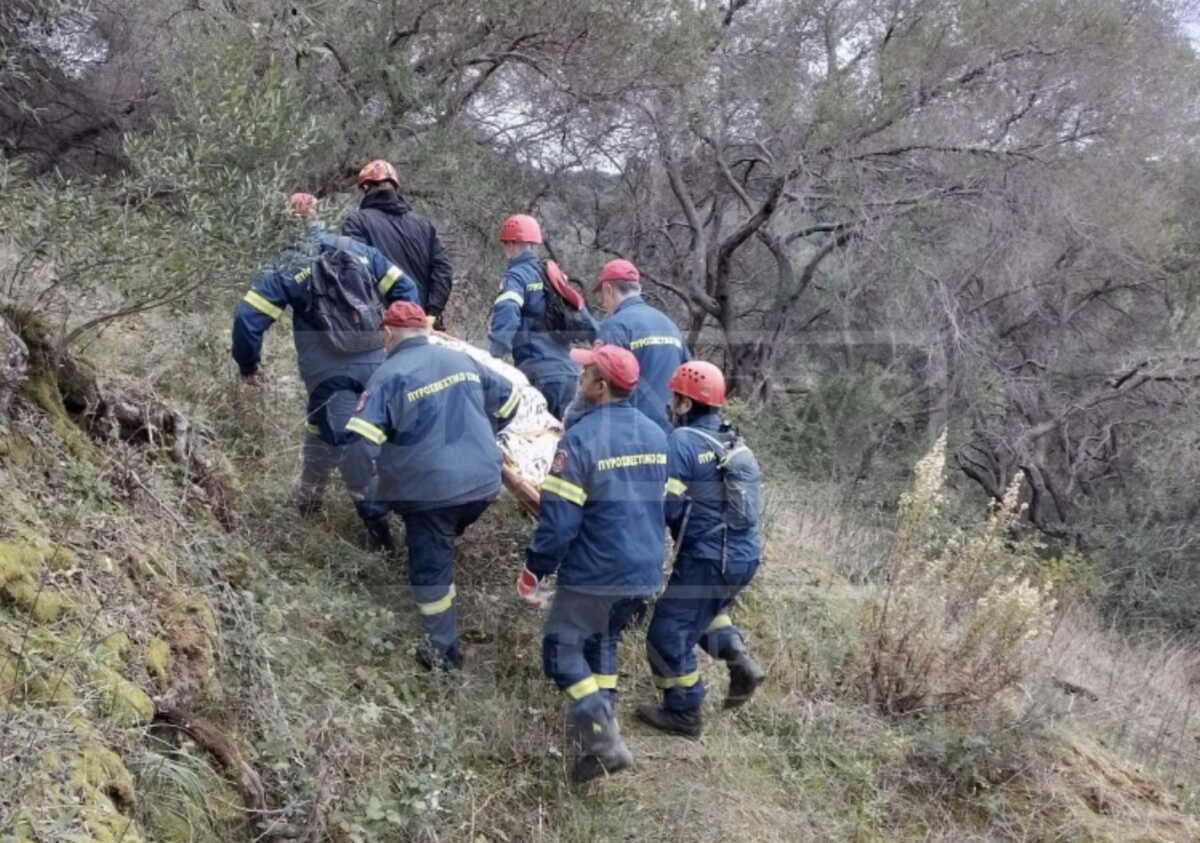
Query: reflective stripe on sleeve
{"points": [[366, 430], [262, 305], [438, 606], [389, 279], [719, 622], [511, 404], [313, 429], [606, 681], [565, 490], [675, 486], [685, 681], [512, 296], [582, 688]]}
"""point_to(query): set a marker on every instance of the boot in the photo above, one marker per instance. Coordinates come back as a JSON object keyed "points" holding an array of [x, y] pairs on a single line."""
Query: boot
{"points": [[308, 499], [438, 661], [597, 743], [744, 678], [685, 723], [378, 537]]}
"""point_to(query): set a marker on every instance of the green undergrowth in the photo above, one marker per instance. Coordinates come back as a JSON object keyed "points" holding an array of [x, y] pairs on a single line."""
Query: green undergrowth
{"points": [[121, 595]]}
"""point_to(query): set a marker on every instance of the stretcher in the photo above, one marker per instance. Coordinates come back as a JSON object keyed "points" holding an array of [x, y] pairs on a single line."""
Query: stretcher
{"points": [[529, 441]]}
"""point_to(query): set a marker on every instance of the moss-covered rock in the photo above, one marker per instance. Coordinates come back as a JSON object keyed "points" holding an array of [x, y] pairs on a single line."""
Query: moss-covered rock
{"points": [[120, 700], [114, 647], [43, 390], [83, 795], [157, 659], [20, 580]]}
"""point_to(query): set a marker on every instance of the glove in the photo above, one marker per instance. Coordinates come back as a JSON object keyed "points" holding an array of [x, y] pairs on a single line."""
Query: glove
{"points": [[529, 589], [439, 322]]}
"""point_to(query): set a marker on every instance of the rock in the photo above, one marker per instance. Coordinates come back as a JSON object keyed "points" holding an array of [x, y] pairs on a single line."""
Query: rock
{"points": [[14, 364]]}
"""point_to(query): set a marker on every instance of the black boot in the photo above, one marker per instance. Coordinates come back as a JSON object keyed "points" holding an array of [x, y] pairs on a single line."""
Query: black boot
{"points": [[438, 661], [687, 724], [744, 678], [378, 538], [308, 499], [596, 743]]}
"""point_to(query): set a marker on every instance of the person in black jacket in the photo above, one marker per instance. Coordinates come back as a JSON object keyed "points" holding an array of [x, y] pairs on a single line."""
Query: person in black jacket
{"points": [[410, 241]]}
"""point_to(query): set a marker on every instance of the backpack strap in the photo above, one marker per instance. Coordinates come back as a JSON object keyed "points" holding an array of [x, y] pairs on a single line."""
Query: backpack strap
{"points": [[721, 449]]}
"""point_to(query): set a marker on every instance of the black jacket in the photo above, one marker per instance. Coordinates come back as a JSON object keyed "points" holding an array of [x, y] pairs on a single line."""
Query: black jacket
{"points": [[384, 221]]}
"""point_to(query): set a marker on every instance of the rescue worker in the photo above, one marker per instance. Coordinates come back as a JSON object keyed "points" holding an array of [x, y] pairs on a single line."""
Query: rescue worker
{"points": [[410, 241], [525, 313], [646, 331], [713, 562], [601, 528], [423, 445], [333, 380]]}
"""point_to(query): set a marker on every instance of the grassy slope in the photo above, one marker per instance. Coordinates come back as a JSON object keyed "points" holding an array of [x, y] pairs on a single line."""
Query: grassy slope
{"points": [[304, 662]]}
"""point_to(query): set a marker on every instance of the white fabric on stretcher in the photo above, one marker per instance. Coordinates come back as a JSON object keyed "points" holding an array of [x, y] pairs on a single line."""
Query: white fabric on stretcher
{"points": [[530, 439]]}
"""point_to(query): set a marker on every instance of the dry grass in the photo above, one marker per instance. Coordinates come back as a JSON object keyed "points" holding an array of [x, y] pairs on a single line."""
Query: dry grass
{"points": [[354, 742]]}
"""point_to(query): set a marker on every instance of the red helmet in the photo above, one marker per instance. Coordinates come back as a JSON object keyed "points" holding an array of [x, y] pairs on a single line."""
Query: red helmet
{"points": [[616, 270], [701, 381], [520, 228], [378, 170], [560, 284]]}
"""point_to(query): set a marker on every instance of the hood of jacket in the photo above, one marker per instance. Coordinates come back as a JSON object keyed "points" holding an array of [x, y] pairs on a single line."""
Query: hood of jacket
{"points": [[388, 201]]}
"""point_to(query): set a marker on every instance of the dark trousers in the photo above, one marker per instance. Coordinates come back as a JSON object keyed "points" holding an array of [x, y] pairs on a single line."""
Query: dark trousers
{"points": [[559, 392], [330, 406], [693, 610], [430, 536], [579, 643]]}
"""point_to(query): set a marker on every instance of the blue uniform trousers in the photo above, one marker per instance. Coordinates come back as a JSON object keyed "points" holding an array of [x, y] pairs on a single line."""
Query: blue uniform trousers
{"points": [[330, 405], [693, 610], [579, 645], [430, 535], [559, 392]]}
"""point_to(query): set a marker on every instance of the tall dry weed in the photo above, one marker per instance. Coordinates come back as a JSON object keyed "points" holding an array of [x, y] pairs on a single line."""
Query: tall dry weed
{"points": [[961, 610]]}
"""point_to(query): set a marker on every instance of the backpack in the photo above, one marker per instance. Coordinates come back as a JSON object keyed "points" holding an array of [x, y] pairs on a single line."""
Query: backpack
{"points": [[559, 317], [741, 481], [344, 303]]}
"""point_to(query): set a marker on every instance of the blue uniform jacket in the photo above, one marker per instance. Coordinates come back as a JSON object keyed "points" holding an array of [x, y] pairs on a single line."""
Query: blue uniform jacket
{"points": [[428, 423], [658, 346], [694, 480], [601, 519], [517, 324], [285, 284]]}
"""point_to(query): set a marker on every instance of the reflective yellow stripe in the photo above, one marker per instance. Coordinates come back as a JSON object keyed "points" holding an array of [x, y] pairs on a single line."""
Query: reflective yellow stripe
{"points": [[719, 622], [514, 399], [565, 490], [685, 681], [389, 279], [262, 305], [606, 681], [509, 295], [312, 428], [366, 430], [675, 486], [438, 606], [582, 688]]}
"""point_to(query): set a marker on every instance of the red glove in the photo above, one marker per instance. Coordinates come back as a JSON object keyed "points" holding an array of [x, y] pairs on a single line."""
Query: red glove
{"points": [[529, 589]]}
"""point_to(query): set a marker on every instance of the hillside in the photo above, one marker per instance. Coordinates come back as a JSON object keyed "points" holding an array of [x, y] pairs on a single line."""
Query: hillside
{"points": [[182, 659]]}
